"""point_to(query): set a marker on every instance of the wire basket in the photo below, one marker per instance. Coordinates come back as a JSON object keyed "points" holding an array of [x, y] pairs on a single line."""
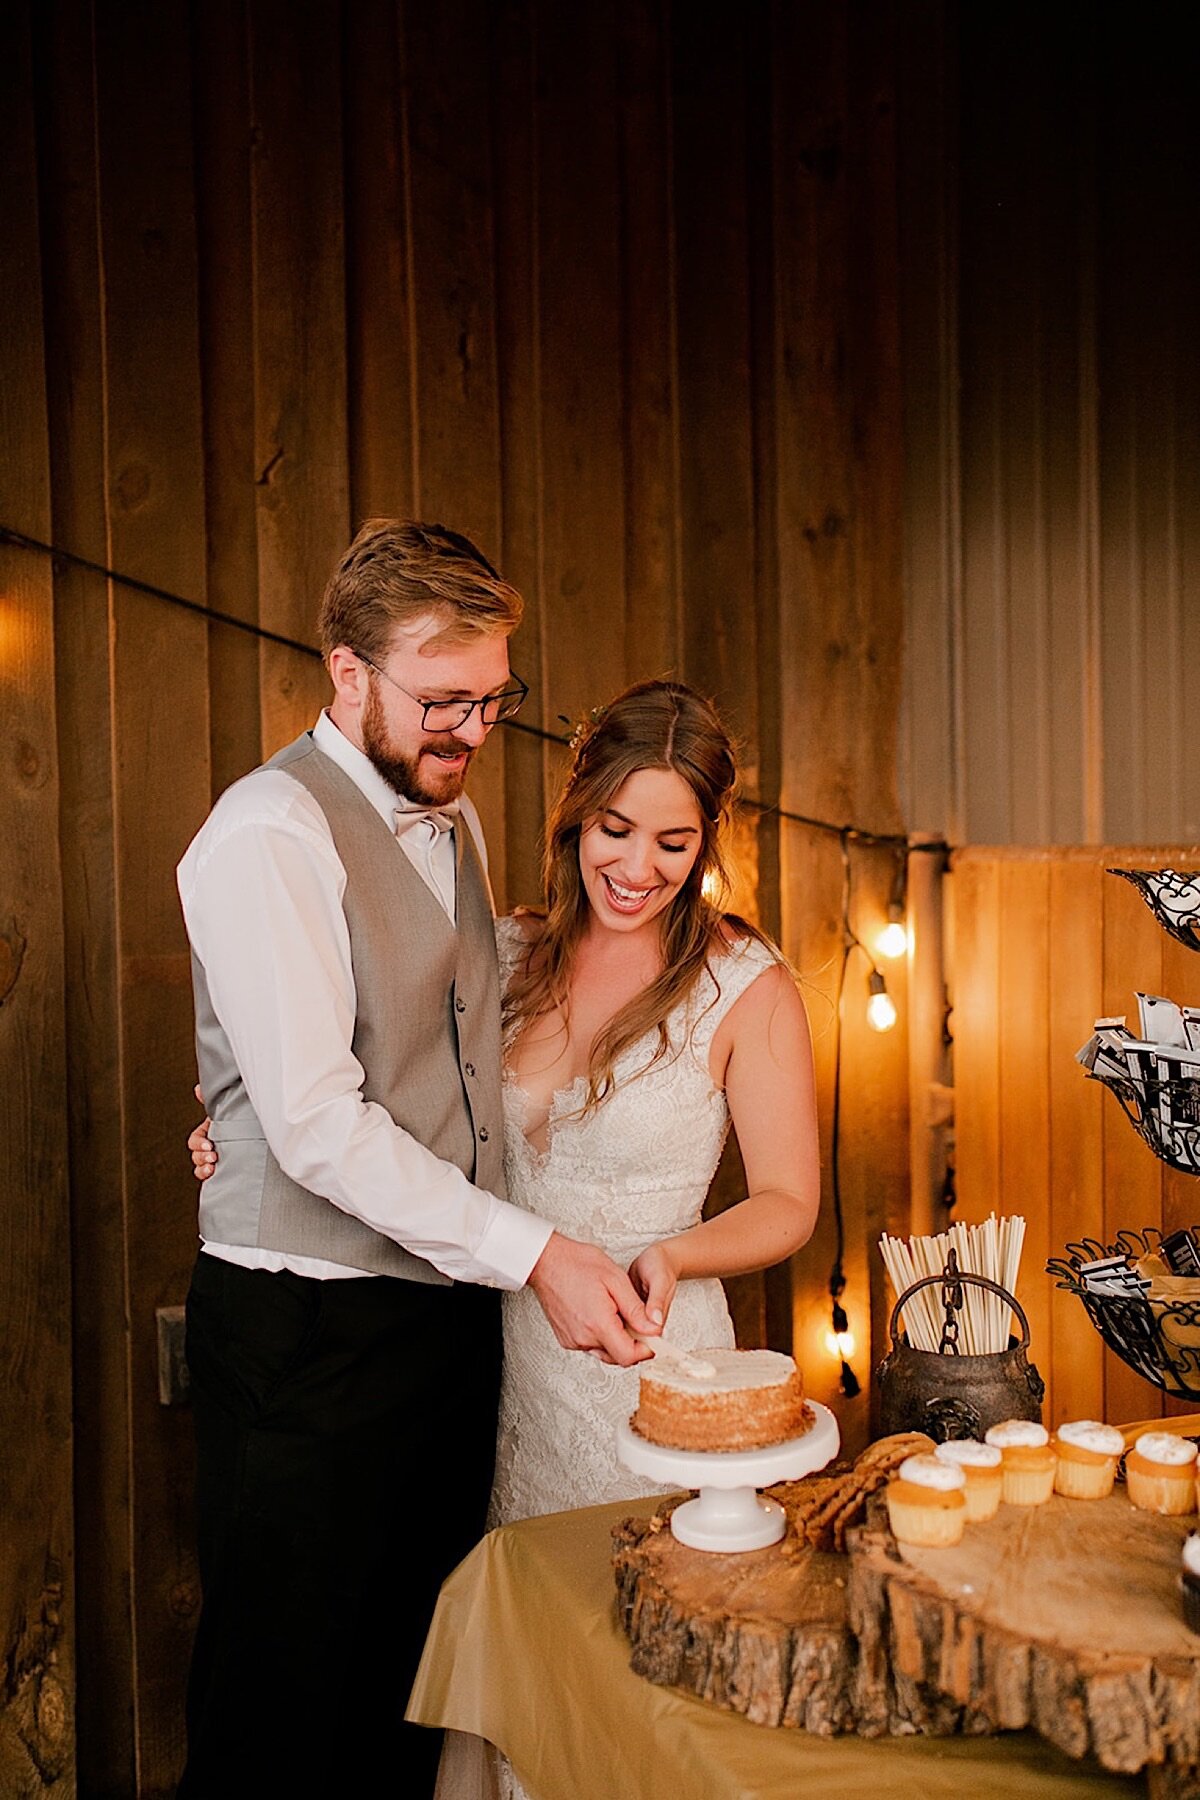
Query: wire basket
{"points": [[1165, 1115], [1159, 1339]]}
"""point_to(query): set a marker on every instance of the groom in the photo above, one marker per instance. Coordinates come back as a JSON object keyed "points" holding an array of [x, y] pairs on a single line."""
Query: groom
{"points": [[343, 1323]]}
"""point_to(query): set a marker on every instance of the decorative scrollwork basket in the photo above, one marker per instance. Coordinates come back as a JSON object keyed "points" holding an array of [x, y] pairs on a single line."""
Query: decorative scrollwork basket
{"points": [[1159, 1339], [1165, 1115]]}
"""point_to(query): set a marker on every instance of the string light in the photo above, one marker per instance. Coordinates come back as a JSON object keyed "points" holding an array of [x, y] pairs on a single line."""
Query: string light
{"points": [[839, 1323], [881, 1016], [881, 1008], [841, 1338], [893, 939]]}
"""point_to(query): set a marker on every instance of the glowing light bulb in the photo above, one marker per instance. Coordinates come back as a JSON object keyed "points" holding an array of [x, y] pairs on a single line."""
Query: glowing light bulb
{"points": [[881, 1012], [881, 1008], [892, 940], [840, 1344]]}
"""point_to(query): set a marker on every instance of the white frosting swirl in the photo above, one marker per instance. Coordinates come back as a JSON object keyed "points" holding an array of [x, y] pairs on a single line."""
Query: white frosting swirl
{"points": [[1164, 1447], [927, 1471], [1015, 1432], [967, 1453], [731, 1371], [1191, 1554], [1089, 1434]]}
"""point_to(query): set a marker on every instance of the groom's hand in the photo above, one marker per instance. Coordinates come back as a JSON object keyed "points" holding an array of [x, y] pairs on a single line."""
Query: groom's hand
{"points": [[589, 1301]]}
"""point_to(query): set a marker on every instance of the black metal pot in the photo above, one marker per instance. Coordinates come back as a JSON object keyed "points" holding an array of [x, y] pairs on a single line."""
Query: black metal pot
{"points": [[948, 1395]]}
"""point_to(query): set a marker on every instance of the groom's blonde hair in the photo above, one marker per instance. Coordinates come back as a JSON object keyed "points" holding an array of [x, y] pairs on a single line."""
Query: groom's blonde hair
{"points": [[399, 570]]}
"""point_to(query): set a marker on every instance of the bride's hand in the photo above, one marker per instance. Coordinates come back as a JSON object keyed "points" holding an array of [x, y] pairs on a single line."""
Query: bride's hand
{"points": [[655, 1277], [204, 1157]]}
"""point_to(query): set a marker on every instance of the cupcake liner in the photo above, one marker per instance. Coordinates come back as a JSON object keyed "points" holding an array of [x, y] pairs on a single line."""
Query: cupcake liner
{"points": [[925, 1527], [982, 1494], [1029, 1487], [1085, 1481], [1172, 1494]]}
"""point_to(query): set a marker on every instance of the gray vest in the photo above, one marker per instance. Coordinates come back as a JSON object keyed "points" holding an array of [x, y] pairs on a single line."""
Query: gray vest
{"points": [[427, 1033]]}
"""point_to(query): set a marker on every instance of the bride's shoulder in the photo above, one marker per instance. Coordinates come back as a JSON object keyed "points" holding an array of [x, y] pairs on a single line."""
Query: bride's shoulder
{"points": [[745, 961], [742, 956], [741, 943]]}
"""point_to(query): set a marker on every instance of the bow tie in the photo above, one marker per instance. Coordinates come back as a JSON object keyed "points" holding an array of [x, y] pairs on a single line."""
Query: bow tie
{"points": [[438, 819]]}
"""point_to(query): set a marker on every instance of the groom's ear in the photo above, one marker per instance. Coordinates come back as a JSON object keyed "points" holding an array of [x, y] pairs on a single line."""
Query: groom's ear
{"points": [[349, 674]]}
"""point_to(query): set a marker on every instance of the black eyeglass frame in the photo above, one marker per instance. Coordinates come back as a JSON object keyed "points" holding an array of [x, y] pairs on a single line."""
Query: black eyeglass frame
{"points": [[518, 695]]}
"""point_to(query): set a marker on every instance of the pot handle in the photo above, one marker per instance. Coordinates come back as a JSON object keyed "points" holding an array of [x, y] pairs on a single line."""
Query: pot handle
{"points": [[962, 1275]]}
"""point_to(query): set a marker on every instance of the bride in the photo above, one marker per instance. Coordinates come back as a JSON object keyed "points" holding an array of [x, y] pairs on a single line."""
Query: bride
{"points": [[639, 1020]]}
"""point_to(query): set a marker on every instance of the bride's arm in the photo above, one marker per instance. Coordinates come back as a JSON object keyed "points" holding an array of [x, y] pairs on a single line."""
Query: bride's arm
{"points": [[771, 1092]]}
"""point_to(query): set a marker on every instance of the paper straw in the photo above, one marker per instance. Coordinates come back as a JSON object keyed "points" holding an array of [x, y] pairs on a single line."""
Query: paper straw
{"points": [[991, 1249]]}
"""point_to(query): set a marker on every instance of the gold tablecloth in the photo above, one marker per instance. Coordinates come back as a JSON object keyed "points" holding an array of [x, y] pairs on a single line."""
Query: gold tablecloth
{"points": [[526, 1650]]}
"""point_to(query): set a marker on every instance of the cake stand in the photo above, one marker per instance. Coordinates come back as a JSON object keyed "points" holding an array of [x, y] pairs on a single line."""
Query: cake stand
{"points": [[728, 1512]]}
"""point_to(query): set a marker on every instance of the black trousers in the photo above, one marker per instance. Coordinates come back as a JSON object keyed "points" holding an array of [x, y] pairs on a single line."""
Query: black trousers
{"points": [[345, 1438]]}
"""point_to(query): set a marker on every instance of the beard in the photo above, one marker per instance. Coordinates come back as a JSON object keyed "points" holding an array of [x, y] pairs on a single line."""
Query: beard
{"points": [[421, 777]]}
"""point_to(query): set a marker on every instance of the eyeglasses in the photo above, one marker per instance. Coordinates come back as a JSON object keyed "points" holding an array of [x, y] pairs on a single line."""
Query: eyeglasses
{"points": [[448, 715]]}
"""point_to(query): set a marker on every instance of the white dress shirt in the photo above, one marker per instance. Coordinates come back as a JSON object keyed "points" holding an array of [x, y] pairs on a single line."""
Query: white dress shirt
{"points": [[261, 886]]}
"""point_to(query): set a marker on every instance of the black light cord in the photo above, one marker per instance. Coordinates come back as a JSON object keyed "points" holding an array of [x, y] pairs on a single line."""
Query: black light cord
{"points": [[68, 558], [20, 540], [849, 1382]]}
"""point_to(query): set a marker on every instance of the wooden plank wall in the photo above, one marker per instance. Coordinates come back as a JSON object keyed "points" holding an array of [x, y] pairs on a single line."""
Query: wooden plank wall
{"points": [[838, 544], [1052, 492], [1045, 942], [612, 288], [36, 1501]]}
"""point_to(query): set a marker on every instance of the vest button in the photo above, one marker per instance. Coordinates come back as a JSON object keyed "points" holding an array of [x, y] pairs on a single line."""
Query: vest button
{"points": [[469, 1067], [483, 1134], [460, 1006]]}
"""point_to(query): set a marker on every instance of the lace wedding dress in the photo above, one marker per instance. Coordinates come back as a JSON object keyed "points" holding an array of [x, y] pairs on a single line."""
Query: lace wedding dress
{"points": [[634, 1170]]}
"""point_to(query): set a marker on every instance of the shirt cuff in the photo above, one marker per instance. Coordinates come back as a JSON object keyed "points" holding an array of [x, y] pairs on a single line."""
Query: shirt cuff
{"points": [[511, 1245]]}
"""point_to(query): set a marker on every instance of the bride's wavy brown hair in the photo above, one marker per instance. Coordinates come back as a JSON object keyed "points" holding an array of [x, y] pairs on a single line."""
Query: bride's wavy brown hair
{"points": [[653, 725]]}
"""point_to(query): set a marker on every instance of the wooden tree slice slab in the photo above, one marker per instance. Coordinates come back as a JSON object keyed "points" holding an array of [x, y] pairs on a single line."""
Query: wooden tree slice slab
{"points": [[757, 1632], [1064, 1618], [765, 1633]]}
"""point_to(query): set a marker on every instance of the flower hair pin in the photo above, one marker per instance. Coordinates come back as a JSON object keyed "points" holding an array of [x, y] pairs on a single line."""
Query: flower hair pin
{"points": [[581, 729]]}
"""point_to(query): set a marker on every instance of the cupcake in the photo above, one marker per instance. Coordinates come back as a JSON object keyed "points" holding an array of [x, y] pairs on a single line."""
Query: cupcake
{"points": [[1087, 1455], [980, 1464], [1027, 1461], [1160, 1473], [1189, 1581], [926, 1503]]}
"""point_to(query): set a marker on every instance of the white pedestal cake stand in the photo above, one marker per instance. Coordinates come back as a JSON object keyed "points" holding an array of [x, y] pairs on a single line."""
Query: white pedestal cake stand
{"points": [[729, 1513]]}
